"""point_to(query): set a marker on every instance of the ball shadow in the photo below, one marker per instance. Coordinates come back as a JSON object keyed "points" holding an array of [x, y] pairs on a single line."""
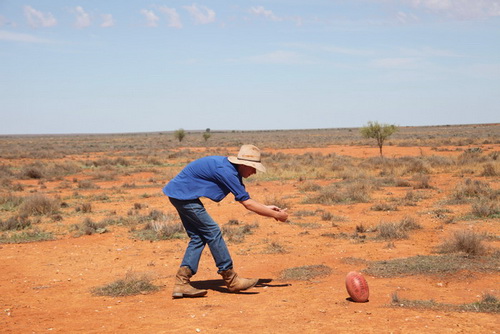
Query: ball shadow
{"points": [[349, 299]]}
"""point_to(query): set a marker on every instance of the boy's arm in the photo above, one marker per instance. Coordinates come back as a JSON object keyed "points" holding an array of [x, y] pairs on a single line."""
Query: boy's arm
{"points": [[265, 210]]}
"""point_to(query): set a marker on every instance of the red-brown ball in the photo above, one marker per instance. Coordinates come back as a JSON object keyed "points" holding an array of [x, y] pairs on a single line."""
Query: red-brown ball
{"points": [[357, 287]]}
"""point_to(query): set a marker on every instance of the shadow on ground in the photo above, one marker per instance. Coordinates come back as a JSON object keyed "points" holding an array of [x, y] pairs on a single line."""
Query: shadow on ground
{"points": [[220, 286]]}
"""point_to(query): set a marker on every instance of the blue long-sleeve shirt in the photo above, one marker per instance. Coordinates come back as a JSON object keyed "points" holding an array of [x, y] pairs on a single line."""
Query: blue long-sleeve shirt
{"points": [[213, 177]]}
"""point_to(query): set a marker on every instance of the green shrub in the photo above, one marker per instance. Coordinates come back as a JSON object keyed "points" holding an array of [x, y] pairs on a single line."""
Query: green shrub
{"points": [[379, 132]]}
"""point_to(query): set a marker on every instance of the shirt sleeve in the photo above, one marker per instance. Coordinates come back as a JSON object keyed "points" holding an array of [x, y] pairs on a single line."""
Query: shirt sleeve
{"points": [[231, 179]]}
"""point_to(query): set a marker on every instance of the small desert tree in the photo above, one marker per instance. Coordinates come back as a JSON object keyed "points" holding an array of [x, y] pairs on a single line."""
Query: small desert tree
{"points": [[180, 134], [377, 131], [207, 134]]}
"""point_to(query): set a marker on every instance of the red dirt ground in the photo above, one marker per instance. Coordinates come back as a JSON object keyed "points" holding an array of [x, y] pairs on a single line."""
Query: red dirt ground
{"points": [[45, 286]]}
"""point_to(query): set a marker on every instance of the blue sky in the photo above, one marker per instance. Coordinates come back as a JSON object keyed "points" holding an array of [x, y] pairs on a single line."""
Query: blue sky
{"points": [[91, 66]]}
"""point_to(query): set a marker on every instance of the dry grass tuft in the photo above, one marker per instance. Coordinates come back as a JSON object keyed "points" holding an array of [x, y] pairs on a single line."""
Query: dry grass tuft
{"points": [[470, 189], [275, 248], [391, 231], [486, 208], [88, 227], [39, 204], [432, 265], [132, 284], [305, 273], [488, 304], [235, 232], [34, 235], [160, 227], [357, 191], [467, 242], [15, 223]]}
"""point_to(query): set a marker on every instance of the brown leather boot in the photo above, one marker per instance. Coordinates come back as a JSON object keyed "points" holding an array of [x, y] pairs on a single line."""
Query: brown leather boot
{"points": [[182, 287], [235, 283]]}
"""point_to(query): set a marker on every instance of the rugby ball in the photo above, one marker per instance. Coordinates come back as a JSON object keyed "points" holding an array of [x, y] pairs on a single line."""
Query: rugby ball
{"points": [[357, 287]]}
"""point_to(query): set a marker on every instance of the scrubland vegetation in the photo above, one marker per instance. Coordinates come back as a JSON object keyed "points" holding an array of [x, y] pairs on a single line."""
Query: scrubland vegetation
{"points": [[54, 187]]}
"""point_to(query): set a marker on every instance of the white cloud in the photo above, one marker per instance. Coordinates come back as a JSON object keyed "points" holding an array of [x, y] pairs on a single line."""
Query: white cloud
{"points": [[201, 15], [107, 20], [348, 51], [433, 4], [319, 48], [279, 57], [268, 14], [151, 18], [462, 9], [38, 19], [426, 52], [19, 37], [484, 70], [298, 21], [404, 17], [396, 63], [173, 17], [82, 18]]}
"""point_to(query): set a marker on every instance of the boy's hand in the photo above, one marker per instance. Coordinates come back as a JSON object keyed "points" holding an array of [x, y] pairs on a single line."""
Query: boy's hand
{"points": [[273, 207], [283, 216]]}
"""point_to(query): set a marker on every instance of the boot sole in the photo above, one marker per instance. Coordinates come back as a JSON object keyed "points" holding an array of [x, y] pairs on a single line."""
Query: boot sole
{"points": [[184, 295]]}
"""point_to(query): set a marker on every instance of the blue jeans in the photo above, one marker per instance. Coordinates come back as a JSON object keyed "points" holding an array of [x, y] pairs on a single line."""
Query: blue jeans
{"points": [[202, 230]]}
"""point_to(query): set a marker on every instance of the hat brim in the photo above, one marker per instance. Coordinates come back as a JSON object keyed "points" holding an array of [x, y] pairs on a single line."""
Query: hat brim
{"points": [[257, 165]]}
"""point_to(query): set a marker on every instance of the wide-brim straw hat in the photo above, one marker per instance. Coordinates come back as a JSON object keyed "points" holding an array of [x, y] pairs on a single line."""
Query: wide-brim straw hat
{"points": [[249, 155]]}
